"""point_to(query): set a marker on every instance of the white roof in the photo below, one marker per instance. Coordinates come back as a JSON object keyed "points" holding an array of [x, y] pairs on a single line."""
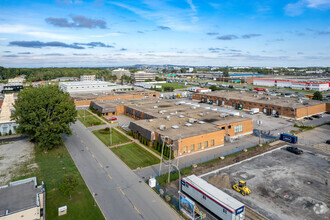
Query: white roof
{"points": [[85, 83], [7, 106], [214, 193]]}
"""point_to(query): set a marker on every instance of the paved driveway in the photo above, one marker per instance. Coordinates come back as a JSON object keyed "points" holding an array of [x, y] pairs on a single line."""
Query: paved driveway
{"points": [[118, 191]]}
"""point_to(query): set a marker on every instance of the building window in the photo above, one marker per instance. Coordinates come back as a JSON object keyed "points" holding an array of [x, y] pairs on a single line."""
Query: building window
{"points": [[238, 128], [199, 145], [192, 147], [229, 126], [225, 211], [223, 128], [185, 149], [212, 142], [292, 110], [204, 197], [206, 143]]}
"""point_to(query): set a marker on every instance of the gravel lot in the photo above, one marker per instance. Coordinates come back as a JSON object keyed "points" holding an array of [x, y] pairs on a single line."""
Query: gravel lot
{"points": [[12, 156], [283, 185]]}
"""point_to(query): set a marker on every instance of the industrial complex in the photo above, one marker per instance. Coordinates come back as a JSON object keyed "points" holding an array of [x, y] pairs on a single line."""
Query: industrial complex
{"points": [[303, 85], [285, 107], [187, 129]]}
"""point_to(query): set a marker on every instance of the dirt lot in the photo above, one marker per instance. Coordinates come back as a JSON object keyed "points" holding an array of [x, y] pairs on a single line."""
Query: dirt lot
{"points": [[283, 185], [14, 158]]}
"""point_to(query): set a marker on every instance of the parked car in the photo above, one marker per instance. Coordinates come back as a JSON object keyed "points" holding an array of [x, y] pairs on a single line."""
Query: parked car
{"points": [[112, 119], [316, 116], [294, 150], [308, 118], [276, 115], [321, 115]]}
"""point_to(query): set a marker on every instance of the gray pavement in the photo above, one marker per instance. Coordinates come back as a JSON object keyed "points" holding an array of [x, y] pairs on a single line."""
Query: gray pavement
{"points": [[118, 191]]}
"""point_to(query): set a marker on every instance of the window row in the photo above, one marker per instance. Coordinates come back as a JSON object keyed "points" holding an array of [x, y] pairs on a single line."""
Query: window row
{"points": [[199, 146]]}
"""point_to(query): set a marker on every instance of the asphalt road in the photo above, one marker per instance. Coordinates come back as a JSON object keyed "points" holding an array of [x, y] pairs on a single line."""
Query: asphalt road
{"points": [[118, 191]]}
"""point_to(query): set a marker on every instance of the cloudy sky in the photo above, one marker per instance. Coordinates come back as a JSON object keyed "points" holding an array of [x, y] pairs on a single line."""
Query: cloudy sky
{"points": [[42, 33]]}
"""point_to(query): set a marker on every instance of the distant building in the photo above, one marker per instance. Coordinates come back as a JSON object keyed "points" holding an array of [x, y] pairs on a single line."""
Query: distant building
{"points": [[121, 72], [304, 85], [16, 80], [91, 86], [87, 78], [141, 76], [6, 124], [22, 199], [63, 79]]}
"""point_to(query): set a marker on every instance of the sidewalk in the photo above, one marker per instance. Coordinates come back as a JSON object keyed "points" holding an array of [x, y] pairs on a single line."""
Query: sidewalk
{"points": [[129, 137]]}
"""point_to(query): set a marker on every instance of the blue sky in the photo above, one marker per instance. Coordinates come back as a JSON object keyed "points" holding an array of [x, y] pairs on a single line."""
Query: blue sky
{"points": [[42, 33]]}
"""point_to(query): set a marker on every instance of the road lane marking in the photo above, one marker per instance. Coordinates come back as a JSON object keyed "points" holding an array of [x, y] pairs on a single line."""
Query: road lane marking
{"points": [[137, 210], [86, 148], [93, 155], [122, 192], [109, 176], [100, 165]]}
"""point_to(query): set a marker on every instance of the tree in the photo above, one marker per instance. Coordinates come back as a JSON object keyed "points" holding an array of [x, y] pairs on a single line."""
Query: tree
{"points": [[213, 88], [44, 114], [68, 185], [317, 96], [148, 80], [226, 73], [183, 70]]}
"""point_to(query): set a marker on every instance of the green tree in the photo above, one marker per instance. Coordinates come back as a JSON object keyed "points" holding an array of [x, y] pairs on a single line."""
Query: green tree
{"points": [[68, 185], [213, 88], [226, 73], [317, 95], [183, 70], [44, 114], [148, 80]]}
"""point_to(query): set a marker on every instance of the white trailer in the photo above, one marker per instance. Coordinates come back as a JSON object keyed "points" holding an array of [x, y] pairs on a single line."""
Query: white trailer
{"points": [[254, 111], [212, 198]]}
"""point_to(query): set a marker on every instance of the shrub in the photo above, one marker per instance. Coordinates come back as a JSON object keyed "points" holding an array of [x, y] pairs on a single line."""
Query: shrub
{"points": [[68, 185], [10, 133]]}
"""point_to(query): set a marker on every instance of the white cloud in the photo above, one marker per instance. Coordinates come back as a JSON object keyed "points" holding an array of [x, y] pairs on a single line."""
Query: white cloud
{"points": [[32, 31], [107, 35], [297, 8]]}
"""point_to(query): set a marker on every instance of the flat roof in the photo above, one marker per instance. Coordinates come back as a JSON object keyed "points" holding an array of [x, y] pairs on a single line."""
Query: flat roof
{"points": [[214, 193], [91, 95], [6, 108], [264, 99], [82, 83], [19, 195]]}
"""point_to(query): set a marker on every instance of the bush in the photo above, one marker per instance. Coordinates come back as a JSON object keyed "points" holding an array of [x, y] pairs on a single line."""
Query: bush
{"points": [[107, 129], [10, 133], [68, 185]]}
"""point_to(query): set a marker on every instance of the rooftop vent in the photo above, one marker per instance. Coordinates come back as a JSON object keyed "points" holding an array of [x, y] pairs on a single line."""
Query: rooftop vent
{"points": [[192, 120], [168, 118], [201, 114], [201, 122], [181, 116], [162, 127], [175, 127], [155, 106], [188, 124]]}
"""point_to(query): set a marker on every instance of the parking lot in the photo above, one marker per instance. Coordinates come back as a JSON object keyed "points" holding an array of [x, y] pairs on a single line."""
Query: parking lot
{"points": [[284, 185]]}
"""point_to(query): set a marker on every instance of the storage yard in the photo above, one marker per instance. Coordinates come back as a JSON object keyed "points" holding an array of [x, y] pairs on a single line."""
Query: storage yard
{"points": [[284, 185]]}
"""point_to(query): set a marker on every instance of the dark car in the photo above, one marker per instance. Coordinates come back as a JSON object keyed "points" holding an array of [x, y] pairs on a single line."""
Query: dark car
{"points": [[316, 116], [294, 150], [328, 142], [276, 115], [308, 118]]}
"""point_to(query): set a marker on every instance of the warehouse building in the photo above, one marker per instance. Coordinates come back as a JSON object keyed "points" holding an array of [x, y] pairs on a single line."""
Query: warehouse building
{"points": [[85, 99], [286, 107], [121, 72], [188, 129], [91, 86], [22, 199], [303, 85]]}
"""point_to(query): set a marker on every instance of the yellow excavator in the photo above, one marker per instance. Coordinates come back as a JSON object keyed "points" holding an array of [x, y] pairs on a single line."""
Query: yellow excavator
{"points": [[242, 188]]}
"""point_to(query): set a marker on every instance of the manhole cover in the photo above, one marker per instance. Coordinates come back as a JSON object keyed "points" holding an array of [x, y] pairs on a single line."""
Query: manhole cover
{"points": [[107, 167], [82, 150]]}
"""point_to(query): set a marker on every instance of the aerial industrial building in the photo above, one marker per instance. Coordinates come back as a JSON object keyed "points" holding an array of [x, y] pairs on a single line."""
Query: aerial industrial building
{"points": [[22, 199], [286, 107], [121, 72], [141, 76], [85, 99], [7, 126], [303, 85], [188, 129], [91, 86], [87, 78]]}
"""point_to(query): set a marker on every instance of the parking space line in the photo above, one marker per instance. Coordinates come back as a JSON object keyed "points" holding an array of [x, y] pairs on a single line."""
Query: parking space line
{"points": [[109, 176], [100, 165], [93, 155]]}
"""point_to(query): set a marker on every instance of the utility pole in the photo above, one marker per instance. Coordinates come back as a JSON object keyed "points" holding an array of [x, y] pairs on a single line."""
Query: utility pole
{"points": [[84, 113], [259, 123], [161, 156], [177, 160]]}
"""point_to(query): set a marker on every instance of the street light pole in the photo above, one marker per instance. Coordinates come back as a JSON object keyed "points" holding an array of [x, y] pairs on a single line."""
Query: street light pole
{"points": [[110, 137], [169, 167], [161, 156]]}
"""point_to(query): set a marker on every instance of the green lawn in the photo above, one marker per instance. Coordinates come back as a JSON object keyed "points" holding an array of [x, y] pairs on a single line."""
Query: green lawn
{"points": [[174, 85], [135, 156], [82, 112], [117, 138], [91, 120], [52, 166]]}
